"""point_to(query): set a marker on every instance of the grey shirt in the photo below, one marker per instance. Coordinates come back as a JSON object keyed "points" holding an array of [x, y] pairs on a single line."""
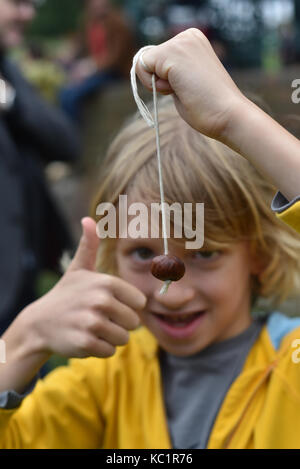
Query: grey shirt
{"points": [[194, 387]]}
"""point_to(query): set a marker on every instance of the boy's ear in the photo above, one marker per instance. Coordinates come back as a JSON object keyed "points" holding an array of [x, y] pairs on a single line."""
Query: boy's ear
{"points": [[257, 263]]}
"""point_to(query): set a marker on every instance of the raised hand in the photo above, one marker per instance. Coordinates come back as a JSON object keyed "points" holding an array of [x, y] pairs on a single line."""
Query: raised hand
{"points": [[204, 93]]}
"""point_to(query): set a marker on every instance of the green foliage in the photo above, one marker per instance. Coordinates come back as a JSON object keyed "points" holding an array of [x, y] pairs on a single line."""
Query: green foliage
{"points": [[56, 18]]}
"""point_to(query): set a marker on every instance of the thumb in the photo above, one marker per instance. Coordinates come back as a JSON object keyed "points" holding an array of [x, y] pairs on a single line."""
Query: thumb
{"points": [[85, 256]]}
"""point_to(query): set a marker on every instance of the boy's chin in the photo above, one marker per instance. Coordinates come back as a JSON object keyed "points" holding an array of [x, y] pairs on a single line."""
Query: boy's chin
{"points": [[182, 348]]}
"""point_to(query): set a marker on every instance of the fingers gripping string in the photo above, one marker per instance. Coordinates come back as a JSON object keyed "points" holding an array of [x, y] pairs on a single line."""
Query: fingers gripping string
{"points": [[152, 122]]}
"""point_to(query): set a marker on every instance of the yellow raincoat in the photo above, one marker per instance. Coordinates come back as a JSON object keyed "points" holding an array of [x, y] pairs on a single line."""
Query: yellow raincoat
{"points": [[289, 213], [118, 402]]}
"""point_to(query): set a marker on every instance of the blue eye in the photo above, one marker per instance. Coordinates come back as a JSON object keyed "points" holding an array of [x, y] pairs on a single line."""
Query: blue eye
{"points": [[143, 253], [207, 254]]}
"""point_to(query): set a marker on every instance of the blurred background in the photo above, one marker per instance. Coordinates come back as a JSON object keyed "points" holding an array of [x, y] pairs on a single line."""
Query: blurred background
{"points": [[78, 54]]}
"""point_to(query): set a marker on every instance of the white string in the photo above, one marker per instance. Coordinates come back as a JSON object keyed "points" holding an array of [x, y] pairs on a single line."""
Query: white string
{"points": [[161, 186], [146, 114]]}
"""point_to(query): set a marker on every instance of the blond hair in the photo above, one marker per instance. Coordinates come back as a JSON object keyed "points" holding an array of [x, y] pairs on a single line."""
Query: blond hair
{"points": [[200, 169]]}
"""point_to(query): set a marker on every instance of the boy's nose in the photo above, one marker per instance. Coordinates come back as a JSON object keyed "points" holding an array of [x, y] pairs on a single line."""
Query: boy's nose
{"points": [[177, 296]]}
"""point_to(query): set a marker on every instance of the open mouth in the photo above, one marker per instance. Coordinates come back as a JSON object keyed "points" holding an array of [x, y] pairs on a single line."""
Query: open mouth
{"points": [[178, 320]]}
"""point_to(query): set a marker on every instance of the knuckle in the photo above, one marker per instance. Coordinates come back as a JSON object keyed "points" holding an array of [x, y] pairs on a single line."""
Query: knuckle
{"points": [[104, 300], [108, 351], [85, 345], [92, 321], [133, 322], [107, 281], [141, 302], [192, 35], [195, 32], [124, 338], [96, 299]]}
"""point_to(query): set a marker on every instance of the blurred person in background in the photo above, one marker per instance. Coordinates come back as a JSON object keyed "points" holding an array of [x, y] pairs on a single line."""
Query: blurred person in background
{"points": [[43, 70], [109, 49], [32, 133]]}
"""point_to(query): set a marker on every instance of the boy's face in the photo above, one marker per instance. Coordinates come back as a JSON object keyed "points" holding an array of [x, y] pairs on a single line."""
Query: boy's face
{"points": [[216, 286]]}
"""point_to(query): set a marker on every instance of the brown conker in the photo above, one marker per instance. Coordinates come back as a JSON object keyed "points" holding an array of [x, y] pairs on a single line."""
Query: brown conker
{"points": [[167, 267]]}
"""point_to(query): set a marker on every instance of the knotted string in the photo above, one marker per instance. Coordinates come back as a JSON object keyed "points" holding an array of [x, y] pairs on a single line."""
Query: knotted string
{"points": [[152, 122]]}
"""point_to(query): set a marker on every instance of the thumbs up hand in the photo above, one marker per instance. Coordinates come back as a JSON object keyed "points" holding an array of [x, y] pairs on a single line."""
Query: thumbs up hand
{"points": [[87, 313]]}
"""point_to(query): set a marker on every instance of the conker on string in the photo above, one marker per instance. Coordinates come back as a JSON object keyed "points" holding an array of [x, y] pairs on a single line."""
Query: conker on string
{"points": [[167, 267]]}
